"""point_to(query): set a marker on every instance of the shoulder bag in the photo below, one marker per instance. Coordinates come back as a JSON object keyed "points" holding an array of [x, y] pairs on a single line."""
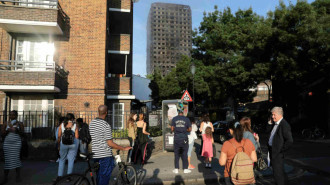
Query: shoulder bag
{"points": [[261, 163]]}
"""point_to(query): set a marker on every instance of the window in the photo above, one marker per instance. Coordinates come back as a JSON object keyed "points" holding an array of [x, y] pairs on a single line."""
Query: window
{"points": [[35, 55], [34, 110], [118, 116]]}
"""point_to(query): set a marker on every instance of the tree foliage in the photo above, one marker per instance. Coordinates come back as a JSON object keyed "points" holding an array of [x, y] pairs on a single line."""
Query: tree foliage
{"points": [[234, 52]]}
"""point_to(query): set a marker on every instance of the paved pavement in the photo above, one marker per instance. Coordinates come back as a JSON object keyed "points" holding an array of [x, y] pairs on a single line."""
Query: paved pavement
{"points": [[159, 168]]}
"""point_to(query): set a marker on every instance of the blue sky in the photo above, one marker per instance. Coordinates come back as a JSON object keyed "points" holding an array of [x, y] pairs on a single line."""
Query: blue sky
{"points": [[141, 10]]}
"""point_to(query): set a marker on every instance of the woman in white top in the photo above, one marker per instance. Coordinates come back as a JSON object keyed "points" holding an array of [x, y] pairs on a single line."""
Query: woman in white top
{"points": [[67, 150], [191, 137], [205, 123]]}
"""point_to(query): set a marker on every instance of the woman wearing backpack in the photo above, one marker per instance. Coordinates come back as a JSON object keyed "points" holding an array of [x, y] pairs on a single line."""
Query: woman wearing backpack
{"points": [[67, 145], [234, 146]]}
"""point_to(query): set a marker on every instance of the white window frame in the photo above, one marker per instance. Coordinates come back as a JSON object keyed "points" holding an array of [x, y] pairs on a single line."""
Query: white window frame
{"points": [[25, 55], [115, 114], [44, 107]]}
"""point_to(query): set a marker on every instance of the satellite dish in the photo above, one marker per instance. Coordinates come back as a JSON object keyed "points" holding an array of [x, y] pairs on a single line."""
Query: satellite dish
{"points": [[135, 1]]}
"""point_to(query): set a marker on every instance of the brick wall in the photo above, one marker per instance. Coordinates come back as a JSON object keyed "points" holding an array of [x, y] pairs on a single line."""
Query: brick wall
{"points": [[83, 55], [120, 42], [5, 45], [118, 85], [28, 13], [27, 78], [120, 4]]}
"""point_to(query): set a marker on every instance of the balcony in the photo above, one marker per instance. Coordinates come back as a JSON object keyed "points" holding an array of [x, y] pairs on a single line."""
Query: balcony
{"points": [[120, 5], [25, 76], [37, 17], [120, 44], [119, 85], [119, 88]]}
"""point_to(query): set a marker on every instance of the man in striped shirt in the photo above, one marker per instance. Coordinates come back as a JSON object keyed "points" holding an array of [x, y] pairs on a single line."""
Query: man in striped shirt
{"points": [[102, 144]]}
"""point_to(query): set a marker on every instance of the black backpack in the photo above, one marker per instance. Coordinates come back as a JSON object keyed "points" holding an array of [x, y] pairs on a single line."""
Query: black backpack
{"points": [[68, 136]]}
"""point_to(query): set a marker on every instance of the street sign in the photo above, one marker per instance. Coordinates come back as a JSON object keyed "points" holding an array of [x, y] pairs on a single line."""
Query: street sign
{"points": [[186, 96]]}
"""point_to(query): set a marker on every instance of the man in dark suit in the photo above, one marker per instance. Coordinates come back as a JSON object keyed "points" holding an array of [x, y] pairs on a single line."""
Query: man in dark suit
{"points": [[280, 140]]}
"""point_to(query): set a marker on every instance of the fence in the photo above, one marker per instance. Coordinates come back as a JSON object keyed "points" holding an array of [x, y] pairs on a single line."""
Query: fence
{"points": [[42, 124]]}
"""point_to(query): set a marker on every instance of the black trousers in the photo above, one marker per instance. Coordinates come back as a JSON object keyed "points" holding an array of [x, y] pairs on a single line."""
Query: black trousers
{"points": [[181, 150], [277, 162]]}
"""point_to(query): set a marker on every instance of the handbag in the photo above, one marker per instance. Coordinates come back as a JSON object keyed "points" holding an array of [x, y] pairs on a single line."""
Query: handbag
{"points": [[261, 163]]}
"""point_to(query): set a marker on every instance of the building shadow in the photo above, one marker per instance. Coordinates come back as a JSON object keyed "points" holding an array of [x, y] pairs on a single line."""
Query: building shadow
{"points": [[178, 180], [154, 179]]}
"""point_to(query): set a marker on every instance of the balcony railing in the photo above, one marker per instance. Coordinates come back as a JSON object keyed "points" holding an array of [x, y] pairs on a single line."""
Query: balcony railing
{"points": [[19, 16], [40, 4], [15, 65]]}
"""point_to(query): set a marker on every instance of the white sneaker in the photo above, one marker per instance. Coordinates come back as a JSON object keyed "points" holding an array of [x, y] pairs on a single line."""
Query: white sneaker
{"points": [[209, 165], [206, 165], [186, 171], [176, 170]]}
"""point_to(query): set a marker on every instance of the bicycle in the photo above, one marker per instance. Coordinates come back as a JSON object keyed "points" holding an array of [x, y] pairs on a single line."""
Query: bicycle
{"points": [[126, 174], [313, 133]]}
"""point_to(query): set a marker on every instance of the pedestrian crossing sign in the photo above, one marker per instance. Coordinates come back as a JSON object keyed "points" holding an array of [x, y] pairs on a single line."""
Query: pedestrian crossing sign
{"points": [[186, 96]]}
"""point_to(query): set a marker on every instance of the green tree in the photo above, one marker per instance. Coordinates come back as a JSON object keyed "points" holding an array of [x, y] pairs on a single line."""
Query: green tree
{"points": [[155, 80], [233, 49], [300, 47]]}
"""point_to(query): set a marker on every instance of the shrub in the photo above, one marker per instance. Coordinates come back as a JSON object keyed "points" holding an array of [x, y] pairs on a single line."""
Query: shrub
{"points": [[155, 131], [122, 133]]}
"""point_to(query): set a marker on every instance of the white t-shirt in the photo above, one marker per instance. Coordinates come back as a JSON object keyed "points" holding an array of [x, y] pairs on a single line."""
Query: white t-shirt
{"points": [[208, 124], [192, 136], [101, 132]]}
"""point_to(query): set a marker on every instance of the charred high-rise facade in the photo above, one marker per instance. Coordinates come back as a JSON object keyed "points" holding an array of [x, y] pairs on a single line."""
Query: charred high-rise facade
{"points": [[168, 36]]}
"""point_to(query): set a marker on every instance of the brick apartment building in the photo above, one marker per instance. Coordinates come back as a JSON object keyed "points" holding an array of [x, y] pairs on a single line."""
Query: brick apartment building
{"points": [[58, 55]]}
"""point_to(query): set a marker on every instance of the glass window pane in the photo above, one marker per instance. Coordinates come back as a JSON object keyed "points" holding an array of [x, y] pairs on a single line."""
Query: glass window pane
{"points": [[33, 102], [27, 102], [39, 102], [50, 102]]}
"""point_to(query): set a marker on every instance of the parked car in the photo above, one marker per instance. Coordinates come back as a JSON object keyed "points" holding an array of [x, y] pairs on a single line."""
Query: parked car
{"points": [[221, 131]]}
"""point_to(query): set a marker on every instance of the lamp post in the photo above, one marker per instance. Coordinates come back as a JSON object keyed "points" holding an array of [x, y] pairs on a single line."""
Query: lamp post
{"points": [[193, 71]]}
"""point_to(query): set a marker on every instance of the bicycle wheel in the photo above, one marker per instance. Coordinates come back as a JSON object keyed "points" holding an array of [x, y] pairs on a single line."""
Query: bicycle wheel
{"points": [[307, 134], [126, 177], [73, 179]]}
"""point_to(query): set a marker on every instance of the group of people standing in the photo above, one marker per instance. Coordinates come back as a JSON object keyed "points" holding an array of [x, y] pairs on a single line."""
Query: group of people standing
{"points": [[138, 138], [71, 136], [243, 140]]}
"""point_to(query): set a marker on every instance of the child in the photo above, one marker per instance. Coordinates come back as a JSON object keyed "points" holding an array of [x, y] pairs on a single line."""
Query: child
{"points": [[207, 151]]}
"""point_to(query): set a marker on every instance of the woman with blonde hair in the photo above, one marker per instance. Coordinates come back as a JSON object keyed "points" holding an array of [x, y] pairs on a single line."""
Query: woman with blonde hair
{"points": [[132, 132]]}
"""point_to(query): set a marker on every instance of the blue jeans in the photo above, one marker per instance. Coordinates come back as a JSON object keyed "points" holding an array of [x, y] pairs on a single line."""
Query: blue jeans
{"points": [[68, 152], [106, 166], [82, 147], [191, 145]]}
